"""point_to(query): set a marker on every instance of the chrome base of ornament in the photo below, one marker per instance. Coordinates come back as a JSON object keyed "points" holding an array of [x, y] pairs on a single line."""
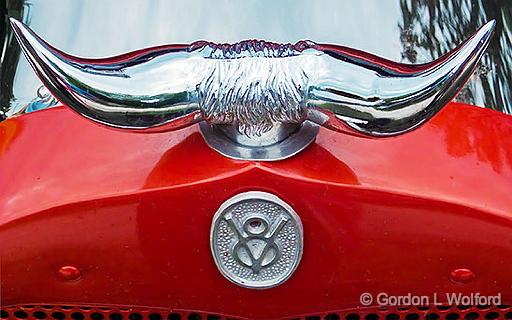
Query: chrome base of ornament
{"points": [[282, 142]]}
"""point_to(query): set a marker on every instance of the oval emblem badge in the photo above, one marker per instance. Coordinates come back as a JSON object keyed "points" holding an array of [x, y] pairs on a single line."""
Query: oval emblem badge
{"points": [[256, 240]]}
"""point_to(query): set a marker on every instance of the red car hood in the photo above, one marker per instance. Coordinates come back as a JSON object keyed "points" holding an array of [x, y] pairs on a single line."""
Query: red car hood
{"points": [[133, 211]]}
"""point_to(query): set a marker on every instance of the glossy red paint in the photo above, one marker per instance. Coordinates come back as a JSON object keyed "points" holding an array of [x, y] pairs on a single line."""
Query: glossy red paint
{"points": [[133, 212]]}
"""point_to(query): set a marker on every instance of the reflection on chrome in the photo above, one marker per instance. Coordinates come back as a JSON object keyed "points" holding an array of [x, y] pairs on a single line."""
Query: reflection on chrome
{"points": [[44, 100], [254, 85]]}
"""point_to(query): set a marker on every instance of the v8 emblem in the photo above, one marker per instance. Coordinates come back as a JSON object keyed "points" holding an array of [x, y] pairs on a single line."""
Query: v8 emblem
{"points": [[256, 240], [256, 247]]}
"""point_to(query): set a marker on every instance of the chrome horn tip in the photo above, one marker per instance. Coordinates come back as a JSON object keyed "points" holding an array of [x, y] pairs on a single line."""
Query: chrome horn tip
{"points": [[19, 28], [491, 24], [14, 22], [486, 31]]}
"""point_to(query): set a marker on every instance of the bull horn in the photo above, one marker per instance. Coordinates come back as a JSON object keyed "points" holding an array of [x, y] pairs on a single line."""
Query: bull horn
{"points": [[383, 98], [117, 91], [253, 84]]}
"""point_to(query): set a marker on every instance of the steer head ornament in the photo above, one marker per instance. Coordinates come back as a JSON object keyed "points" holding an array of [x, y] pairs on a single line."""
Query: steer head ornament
{"points": [[254, 85]]}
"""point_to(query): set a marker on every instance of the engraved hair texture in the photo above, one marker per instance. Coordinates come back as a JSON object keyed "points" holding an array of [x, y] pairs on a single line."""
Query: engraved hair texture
{"points": [[253, 84]]}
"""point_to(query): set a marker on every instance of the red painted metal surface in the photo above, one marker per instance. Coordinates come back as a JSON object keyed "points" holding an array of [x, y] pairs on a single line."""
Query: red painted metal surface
{"points": [[133, 211]]}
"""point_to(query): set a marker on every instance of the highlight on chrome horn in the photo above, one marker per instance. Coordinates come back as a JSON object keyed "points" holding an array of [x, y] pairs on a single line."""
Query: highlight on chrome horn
{"points": [[254, 85]]}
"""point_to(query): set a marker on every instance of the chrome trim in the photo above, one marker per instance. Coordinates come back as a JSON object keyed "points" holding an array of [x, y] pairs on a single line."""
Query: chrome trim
{"points": [[282, 142], [254, 84]]}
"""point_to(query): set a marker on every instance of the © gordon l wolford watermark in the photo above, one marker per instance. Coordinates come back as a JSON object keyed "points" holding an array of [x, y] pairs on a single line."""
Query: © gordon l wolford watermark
{"points": [[409, 299]]}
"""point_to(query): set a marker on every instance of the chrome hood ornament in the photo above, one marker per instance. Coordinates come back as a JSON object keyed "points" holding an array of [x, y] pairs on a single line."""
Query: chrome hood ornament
{"points": [[254, 85]]}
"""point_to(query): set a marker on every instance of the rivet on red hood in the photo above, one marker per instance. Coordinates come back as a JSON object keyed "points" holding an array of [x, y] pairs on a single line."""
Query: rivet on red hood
{"points": [[462, 276], [70, 273]]}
